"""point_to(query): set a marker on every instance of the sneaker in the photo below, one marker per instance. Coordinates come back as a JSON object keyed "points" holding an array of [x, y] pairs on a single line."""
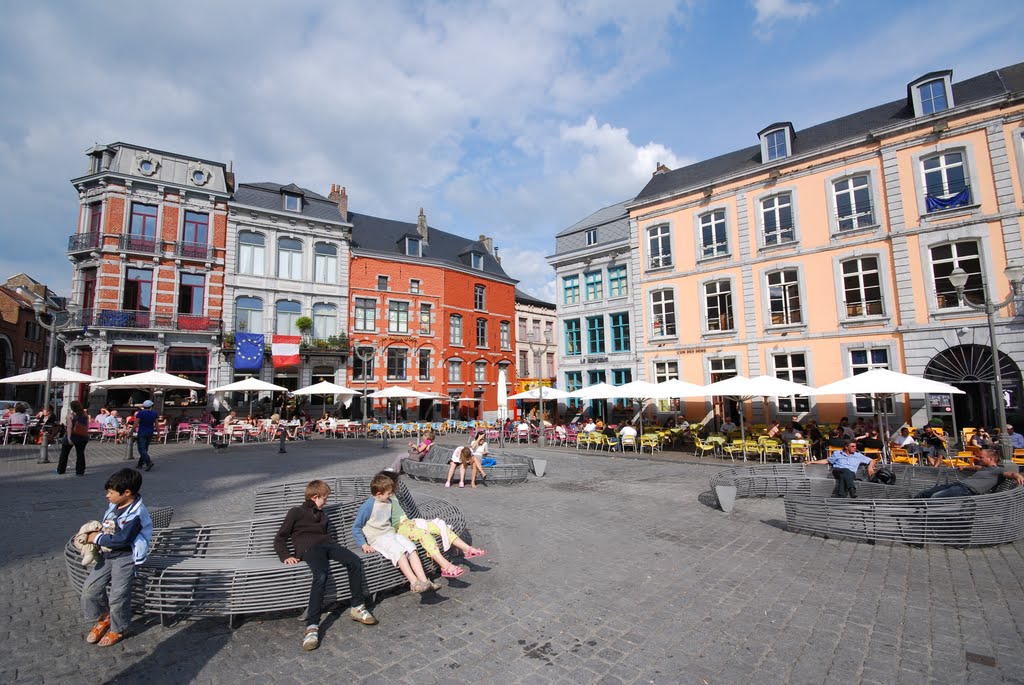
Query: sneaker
{"points": [[361, 614], [311, 638], [148, 467]]}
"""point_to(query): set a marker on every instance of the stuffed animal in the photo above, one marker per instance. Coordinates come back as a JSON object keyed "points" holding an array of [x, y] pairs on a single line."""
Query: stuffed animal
{"points": [[90, 551]]}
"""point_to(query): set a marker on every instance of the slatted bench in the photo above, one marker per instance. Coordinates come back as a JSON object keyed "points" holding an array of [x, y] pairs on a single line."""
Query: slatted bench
{"points": [[990, 519], [511, 468]]}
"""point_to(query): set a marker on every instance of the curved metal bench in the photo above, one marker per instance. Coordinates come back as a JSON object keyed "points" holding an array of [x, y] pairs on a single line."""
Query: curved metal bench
{"points": [[990, 519], [511, 468]]}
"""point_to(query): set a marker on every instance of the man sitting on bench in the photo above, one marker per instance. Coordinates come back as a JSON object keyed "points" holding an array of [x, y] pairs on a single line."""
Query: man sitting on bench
{"points": [[844, 468], [985, 479]]}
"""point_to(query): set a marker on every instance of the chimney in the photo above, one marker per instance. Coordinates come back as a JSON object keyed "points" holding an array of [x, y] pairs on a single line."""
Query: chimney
{"points": [[496, 257], [229, 176], [421, 225], [488, 244], [660, 169], [340, 197]]}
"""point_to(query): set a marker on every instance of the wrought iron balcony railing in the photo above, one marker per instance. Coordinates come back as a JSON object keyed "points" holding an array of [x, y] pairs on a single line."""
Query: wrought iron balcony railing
{"points": [[139, 243], [84, 242], [138, 319], [189, 250]]}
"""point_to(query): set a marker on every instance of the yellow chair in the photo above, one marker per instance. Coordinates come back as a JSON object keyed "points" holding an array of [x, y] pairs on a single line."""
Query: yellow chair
{"points": [[1018, 457], [799, 450], [770, 448], [583, 440], [901, 456], [650, 440], [600, 441], [702, 447], [629, 442]]}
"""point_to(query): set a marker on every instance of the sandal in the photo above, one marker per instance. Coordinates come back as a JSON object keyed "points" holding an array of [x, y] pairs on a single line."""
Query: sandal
{"points": [[474, 552], [110, 639], [447, 485], [453, 571], [97, 630]]}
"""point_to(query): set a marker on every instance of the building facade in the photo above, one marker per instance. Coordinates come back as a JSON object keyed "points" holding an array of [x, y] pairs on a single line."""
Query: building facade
{"points": [[536, 344], [823, 252], [148, 254], [595, 264], [23, 342]]}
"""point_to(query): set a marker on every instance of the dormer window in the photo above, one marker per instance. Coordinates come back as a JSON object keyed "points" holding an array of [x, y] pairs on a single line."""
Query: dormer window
{"points": [[931, 94], [591, 236], [412, 247], [476, 260], [776, 141], [292, 203]]}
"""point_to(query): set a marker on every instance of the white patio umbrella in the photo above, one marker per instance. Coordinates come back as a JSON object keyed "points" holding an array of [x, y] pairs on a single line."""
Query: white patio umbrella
{"points": [[326, 388], [674, 388], [598, 391], [637, 390], [59, 375], [502, 396], [250, 385], [150, 380], [397, 392], [534, 394], [741, 389]]}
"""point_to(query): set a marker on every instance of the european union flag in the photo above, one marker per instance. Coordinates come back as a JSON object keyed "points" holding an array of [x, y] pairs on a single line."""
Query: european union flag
{"points": [[249, 351]]}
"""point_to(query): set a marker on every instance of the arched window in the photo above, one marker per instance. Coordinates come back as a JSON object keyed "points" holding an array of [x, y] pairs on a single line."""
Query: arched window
{"points": [[288, 312], [325, 321], [251, 253], [249, 314], [325, 263]]}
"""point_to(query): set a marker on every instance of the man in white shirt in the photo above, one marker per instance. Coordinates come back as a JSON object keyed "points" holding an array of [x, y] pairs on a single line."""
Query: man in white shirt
{"points": [[627, 431], [728, 426], [589, 426]]}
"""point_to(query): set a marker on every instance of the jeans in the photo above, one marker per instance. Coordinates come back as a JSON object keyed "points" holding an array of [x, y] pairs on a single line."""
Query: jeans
{"points": [[142, 441], [65, 450], [845, 483], [97, 600], [952, 490], [318, 560]]}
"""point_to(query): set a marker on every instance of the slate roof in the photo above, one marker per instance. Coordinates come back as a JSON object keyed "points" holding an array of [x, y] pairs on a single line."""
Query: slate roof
{"points": [[615, 213], [992, 84], [531, 300], [268, 196]]}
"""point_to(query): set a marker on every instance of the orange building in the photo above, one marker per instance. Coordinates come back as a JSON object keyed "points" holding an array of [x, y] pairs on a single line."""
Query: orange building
{"points": [[434, 310], [826, 251]]}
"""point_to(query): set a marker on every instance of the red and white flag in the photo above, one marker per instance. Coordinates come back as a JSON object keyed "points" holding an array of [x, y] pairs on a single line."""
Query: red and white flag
{"points": [[285, 349]]}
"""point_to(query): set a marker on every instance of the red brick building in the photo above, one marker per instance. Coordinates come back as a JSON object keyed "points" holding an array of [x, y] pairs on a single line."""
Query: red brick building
{"points": [[23, 342]]}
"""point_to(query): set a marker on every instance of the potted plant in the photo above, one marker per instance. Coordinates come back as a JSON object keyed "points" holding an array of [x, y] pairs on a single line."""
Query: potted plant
{"points": [[305, 325]]}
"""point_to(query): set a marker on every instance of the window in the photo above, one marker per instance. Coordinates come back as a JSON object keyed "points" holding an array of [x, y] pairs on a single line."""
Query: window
{"points": [[143, 221], [595, 335], [659, 247], [622, 376], [250, 253], [549, 365], [288, 312], [425, 319], [535, 332], [455, 329], [595, 377], [777, 219], [196, 228], [362, 370], [396, 363], [522, 328], [946, 258], [366, 314], [594, 286], [620, 331], [573, 382], [325, 321], [573, 338], [713, 239], [505, 334], [424, 364], [718, 306], [414, 286], [536, 364], [591, 236], [412, 247], [398, 317], [776, 142], [481, 332], [325, 263], [792, 367], [138, 290], [945, 182], [382, 282], [191, 293], [784, 297], [476, 261], [933, 97], [94, 219], [721, 369], [289, 258], [866, 360], [524, 363], [571, 289], [663, 313], [665, 371], [862, 288], [454, 371], [190, 363], [479, 298], [292, 202], [88, 288], [853, 203], [480, 372], [618, 283], [249, 315]]}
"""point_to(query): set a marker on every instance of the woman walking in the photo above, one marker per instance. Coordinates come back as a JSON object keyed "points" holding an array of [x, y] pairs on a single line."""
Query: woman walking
{"points": [[76, 435]]}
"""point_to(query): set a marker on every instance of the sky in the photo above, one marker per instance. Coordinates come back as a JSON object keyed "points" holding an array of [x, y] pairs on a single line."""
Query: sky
{"points": [[508, 118]]}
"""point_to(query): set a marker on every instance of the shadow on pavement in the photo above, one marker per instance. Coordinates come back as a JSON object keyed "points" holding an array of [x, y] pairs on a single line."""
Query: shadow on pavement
{"points": [[202, 640]]}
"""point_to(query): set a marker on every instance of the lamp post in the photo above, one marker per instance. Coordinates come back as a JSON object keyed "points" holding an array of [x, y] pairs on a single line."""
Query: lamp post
{"points": [[958, 279], [41, 307], [366, 355], [535, 343]]}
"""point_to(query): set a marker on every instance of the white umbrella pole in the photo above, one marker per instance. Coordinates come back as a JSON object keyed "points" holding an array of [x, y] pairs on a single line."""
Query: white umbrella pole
{"points": [[743, 429]]}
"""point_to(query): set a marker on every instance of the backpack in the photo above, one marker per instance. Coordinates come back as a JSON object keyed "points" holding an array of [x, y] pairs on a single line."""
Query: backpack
{"points": [[884, 475]]}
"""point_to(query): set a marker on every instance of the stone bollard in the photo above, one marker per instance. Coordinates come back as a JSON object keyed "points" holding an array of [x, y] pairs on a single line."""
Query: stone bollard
{"points": [[539, 465], [726, 497]]}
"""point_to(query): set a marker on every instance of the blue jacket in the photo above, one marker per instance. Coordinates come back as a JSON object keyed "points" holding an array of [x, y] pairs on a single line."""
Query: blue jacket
{"points": [[134, 530]]}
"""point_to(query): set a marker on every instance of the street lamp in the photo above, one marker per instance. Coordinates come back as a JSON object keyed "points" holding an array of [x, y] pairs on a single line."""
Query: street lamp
{"points": [[42, 306], [958, 279], [535, 343], [366, 354]]}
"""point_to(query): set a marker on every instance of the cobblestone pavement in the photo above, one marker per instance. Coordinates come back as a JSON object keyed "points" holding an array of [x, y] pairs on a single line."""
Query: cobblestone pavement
{"points": [[606, 570]]}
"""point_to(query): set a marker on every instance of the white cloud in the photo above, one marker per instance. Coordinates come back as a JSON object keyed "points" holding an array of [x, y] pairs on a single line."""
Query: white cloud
{"points": [[770, 12]]}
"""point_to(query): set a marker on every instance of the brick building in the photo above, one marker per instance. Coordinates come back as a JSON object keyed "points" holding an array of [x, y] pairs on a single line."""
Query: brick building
{"points": [[23, 342]]}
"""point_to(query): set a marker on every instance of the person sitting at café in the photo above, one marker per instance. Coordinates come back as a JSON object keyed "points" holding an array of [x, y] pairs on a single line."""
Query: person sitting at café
{"points": [[589, 426], [844, 426], [795, 425], [728, 426], [1016, 439], [46, 420], [627, 431], [19, 419], [774, 430], [904, 440], [935, 445], [980, 439]]}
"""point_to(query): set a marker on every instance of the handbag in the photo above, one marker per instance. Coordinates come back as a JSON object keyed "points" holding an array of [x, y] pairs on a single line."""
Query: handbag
{"points": [[79, 429]]}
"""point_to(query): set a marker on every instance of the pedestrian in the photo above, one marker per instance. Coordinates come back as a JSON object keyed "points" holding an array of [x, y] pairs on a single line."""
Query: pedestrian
{"points": [[145, 427], [306, 527], [76, 435], [123, 537], [844, 468]]}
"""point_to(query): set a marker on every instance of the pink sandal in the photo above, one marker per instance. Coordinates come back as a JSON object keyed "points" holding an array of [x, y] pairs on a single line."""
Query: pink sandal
{"points": [[473, 553], [453, 571]]}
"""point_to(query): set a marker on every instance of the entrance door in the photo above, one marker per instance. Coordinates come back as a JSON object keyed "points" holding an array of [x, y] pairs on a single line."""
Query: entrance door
{"points": [[970, 368]]}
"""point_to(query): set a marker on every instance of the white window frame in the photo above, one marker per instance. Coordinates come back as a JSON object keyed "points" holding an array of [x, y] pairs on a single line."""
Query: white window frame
{"points": [[794, 407], [766, 296], [773, 141], [657, 313], [482, 331], [289, 199], [845, 314], [957, 261], [476, 261], [479, 372], [966, 148], [325, 266], [946, 78], [775, 196], [396, 322], [860, 225], [722, 248], [357, 319], [480, 297], [455, 371], [706, 328], [505, 335], [414, 286], [456, 330], [289, 261], [847, 349], [292, 318], [839, 280], [766, 137], [248, 252], [591, 236], [319, 320], [976, 232], [254, 315], [660, 235]]}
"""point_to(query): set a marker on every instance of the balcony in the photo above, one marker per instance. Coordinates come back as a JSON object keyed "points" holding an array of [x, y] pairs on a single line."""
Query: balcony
{"points": [[141, 319], [139, 243], [84, 242], [187, 250]]}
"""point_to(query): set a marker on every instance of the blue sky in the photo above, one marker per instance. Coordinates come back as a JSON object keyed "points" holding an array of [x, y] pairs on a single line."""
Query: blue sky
{"points": [[511, 118]]}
